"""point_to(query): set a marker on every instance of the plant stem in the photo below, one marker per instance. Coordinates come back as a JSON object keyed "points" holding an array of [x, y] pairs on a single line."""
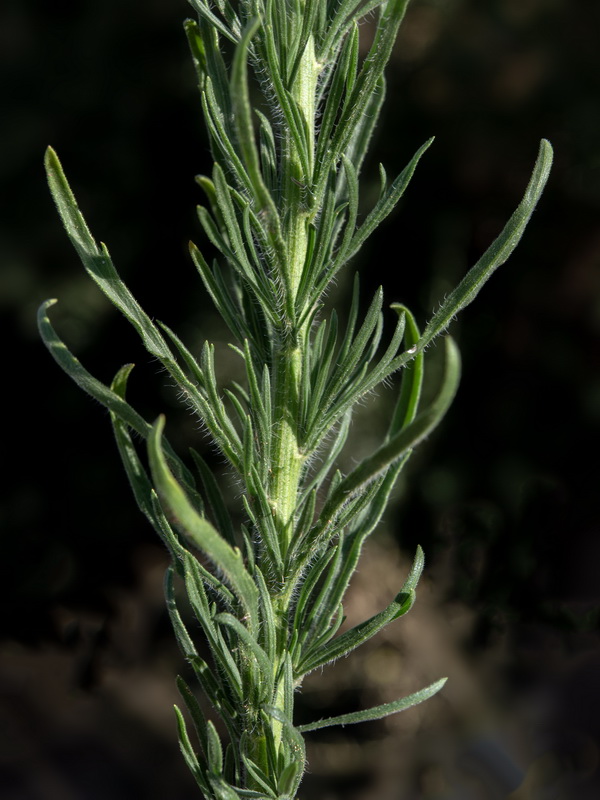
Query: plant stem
{"points": [[289, 460]]}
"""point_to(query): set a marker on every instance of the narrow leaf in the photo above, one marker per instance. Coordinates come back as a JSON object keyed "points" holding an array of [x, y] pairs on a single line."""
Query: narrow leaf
{"points": [[496, 254], [99, 391], [188, 752], [98, 264], [215, 498], [400, 443], [196, 713], [205, 12], [243, 120], [412, 377], [249, 642], [215, 750], [384, 206], [377, 712], [356, 636], [209, 683], [198, 530]]}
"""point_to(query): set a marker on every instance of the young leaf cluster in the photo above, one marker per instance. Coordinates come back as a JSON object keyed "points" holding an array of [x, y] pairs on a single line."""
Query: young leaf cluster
{"points": [[290, 105]]}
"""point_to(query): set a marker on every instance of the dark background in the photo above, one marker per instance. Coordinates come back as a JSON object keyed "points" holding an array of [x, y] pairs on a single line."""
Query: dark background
{"points": [[504, 498]]}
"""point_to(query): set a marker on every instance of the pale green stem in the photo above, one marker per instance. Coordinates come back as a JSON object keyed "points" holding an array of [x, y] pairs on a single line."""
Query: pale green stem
{"points": [[288, 458]]}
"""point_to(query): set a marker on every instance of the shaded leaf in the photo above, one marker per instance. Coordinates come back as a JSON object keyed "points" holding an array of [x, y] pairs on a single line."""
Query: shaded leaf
{"points": [[377, 712], [198, 530]]}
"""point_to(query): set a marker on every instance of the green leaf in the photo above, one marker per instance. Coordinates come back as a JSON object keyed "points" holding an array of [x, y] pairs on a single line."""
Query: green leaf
{"points": [[264, 687], [198, 530], [317, 370], [289, 779], [268, 153], [323, 239], [363, 381], [306, 603], [196, 46], [287, 105], [183, 638], [268, 630], [335, 95], [384, 206], [96, 389], [214, 755], [195, 711], [222, 790], [215, 498], [331, 457], [365, 523], [399, 444], [319, 605], [412, 377], [303, 32], [242, 110], [367, 83], [205, 12], [347, 12], [377, 712], [350, 640], [345, 368], [220, 295], [259, 777], [270, 543], [188, 753], [496, 254], [232, 227], [138, 478], [74, 369], [260, 403], [98, 264], [296, 752], [306, 517], [224, 149], [220, 646], [356, 149], [208, 681]]}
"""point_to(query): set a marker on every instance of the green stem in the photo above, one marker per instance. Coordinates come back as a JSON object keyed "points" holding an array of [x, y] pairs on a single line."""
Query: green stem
{"points": [[288, 459]]}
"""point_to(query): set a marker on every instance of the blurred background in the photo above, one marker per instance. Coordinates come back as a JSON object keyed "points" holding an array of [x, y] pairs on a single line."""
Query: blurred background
{"points": [[504, 497]]}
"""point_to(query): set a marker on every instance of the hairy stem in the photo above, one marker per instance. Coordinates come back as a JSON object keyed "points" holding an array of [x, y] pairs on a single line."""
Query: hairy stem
{"points": [[289, 461]]}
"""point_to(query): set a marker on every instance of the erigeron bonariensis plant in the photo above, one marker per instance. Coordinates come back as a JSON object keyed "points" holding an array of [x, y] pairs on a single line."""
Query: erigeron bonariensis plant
{"points": [[290, 111]]}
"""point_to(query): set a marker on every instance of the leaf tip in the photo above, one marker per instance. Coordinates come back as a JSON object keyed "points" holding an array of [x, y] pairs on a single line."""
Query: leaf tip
{"points": [[399, 308], [159, 424], [50, 157], [453, 359], [51, 301], [416, 571]]}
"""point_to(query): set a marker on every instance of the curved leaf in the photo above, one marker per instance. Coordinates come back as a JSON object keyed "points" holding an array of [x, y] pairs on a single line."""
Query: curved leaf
{"points": [[399, 444], [198, 530], [377, 712], [350, 640], [98, 263], [496, 254]]}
